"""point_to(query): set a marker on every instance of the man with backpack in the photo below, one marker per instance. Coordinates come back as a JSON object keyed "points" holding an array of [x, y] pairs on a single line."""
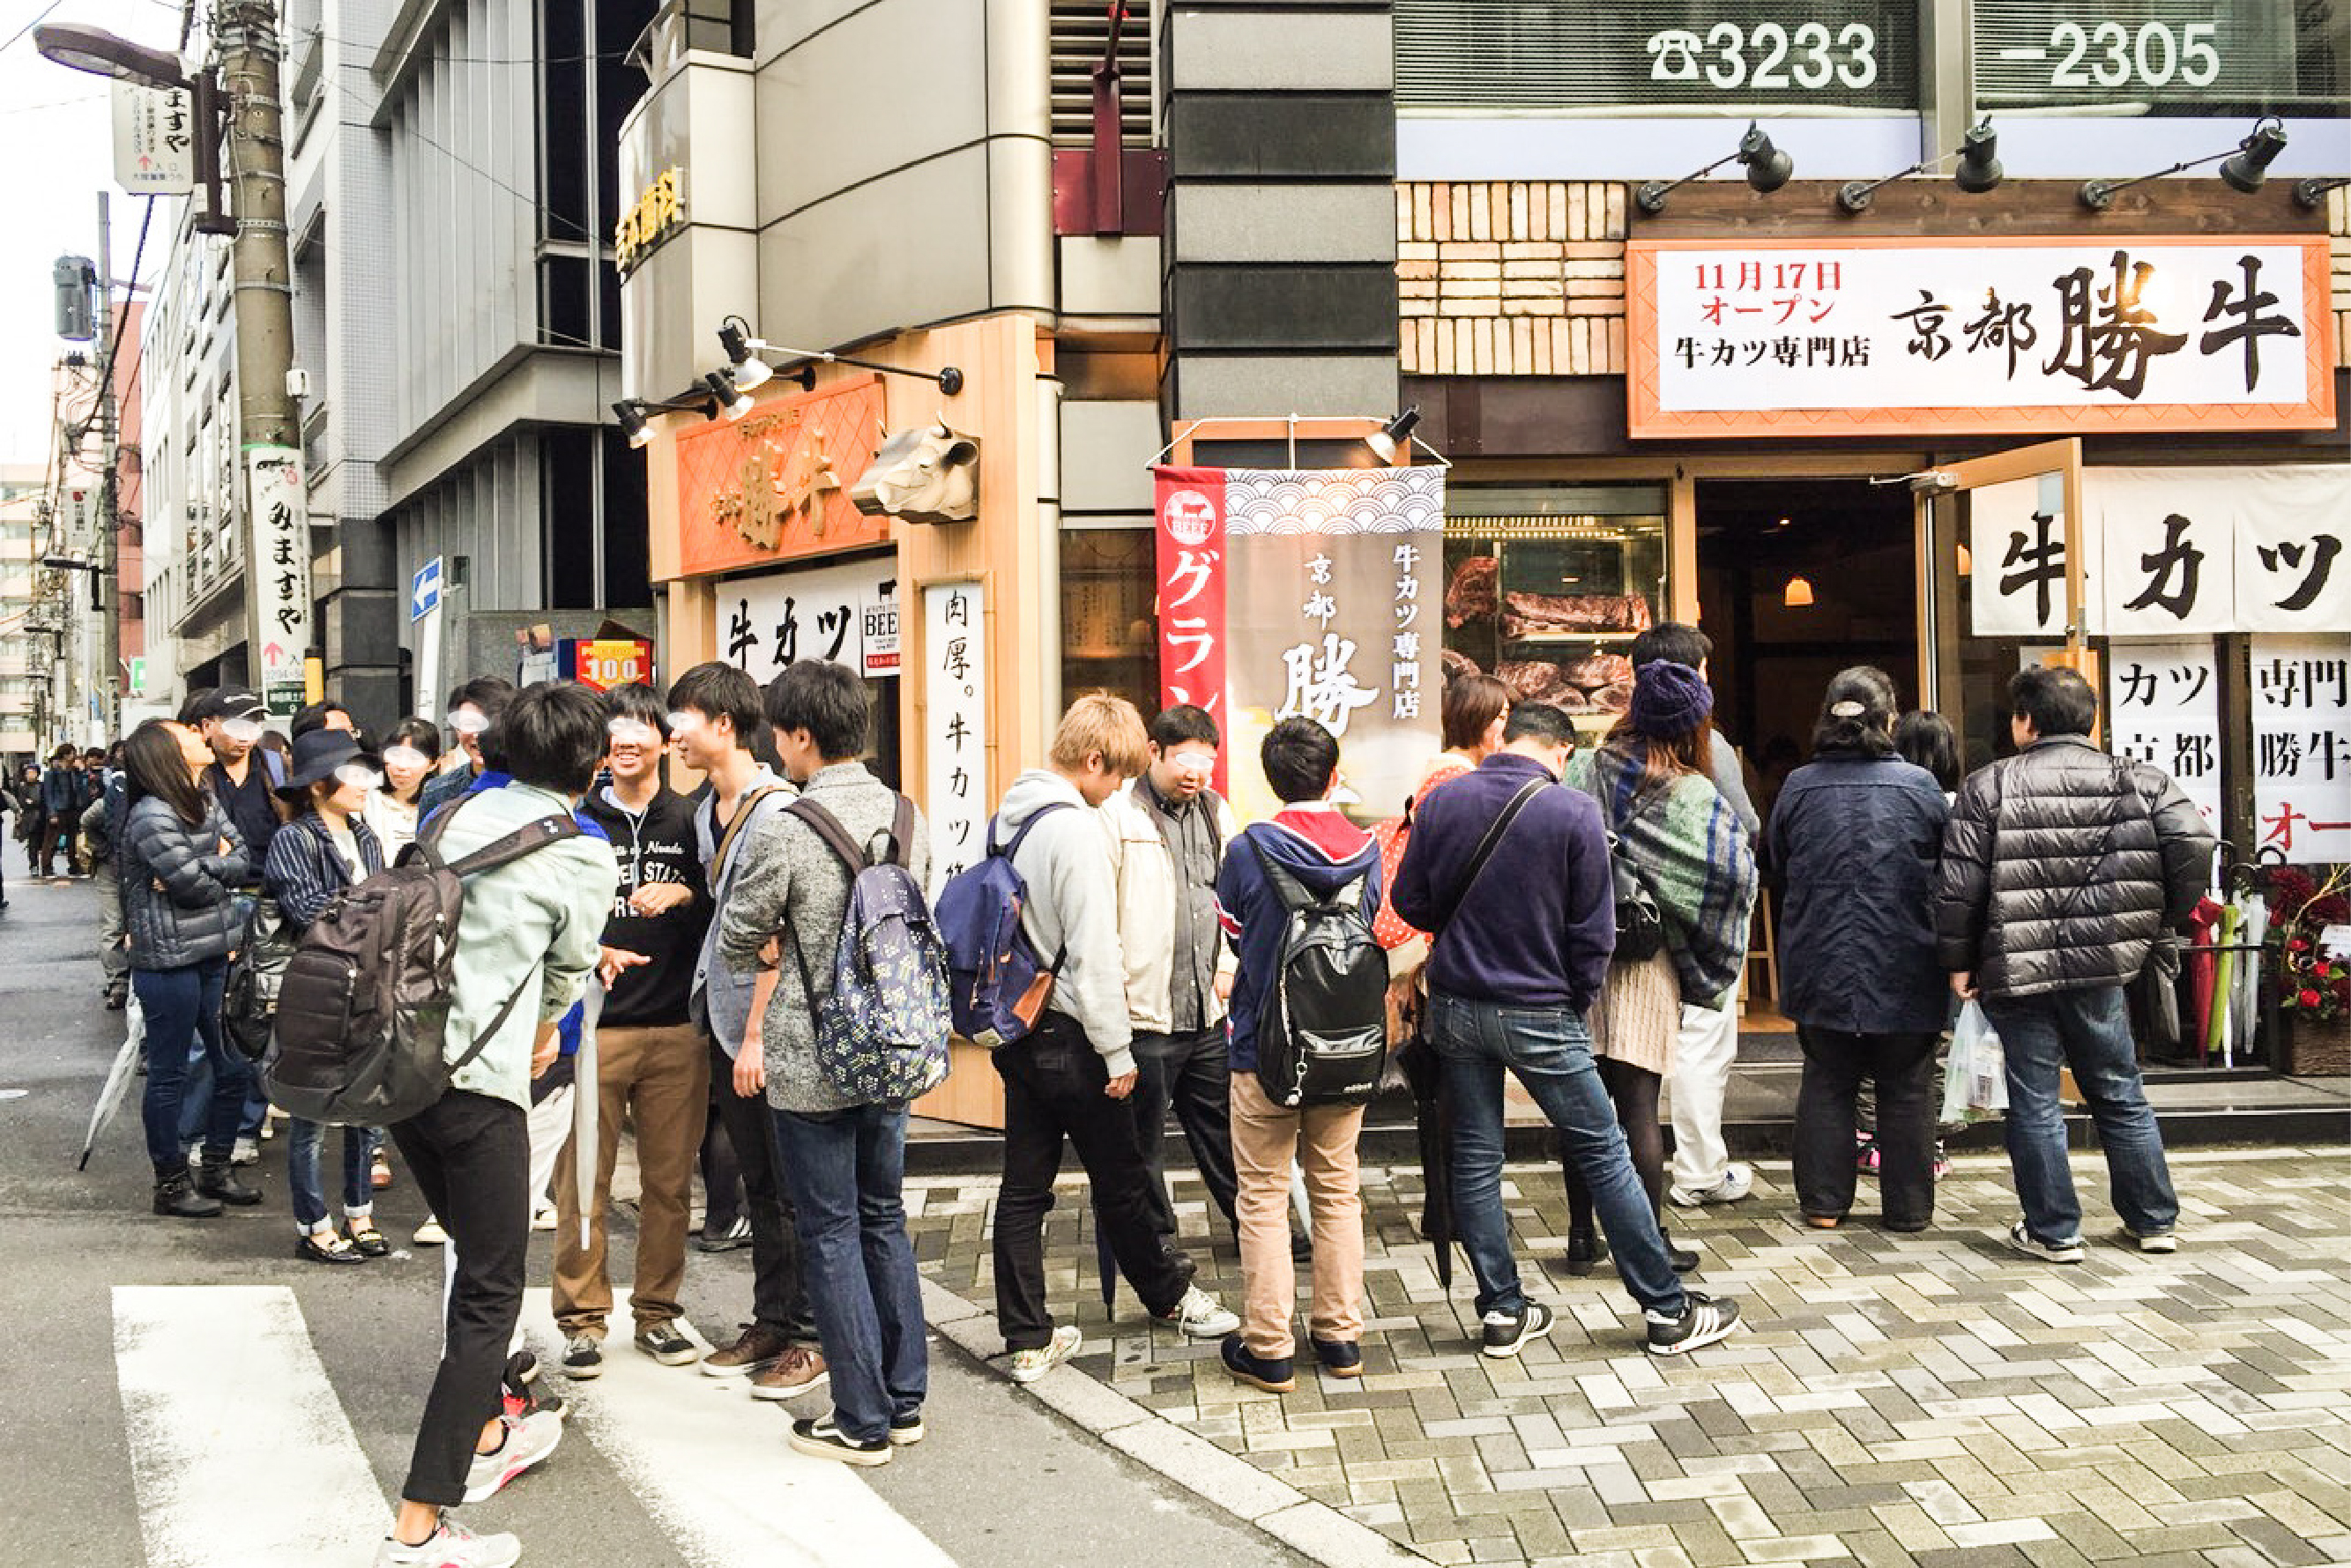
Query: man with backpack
{"points": [[1309, 1035], [651, 1064], [1168, 830], [1518, 955], [1066, 1072], [527, 939], [837, 875], [715, 718]]}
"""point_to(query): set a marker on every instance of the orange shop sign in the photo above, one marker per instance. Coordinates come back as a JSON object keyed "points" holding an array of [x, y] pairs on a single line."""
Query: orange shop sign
{"points": [[2036, 335], [775, 487]]}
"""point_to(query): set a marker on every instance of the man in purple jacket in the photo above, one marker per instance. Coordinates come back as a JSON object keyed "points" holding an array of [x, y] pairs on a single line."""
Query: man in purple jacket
{"points": [[1511, 874]]}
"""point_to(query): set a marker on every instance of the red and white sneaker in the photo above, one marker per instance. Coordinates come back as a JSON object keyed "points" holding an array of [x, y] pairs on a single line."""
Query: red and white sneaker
{"points": [[452, 1546]]}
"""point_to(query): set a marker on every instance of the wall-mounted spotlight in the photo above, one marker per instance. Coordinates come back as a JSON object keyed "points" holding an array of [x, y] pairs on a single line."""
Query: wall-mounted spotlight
{"points": [[733, 401], [631, 411], [1979, 170], [1768, 169], [1395, 435], [2311, 195], [2243, 167], [744, 355]]}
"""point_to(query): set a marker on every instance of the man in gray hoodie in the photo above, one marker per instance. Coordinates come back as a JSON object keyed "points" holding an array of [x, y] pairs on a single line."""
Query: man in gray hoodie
{"points": [[1058, 1077]]}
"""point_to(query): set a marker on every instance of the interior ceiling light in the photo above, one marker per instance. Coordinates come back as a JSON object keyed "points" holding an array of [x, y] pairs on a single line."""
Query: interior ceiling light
{"points": [[1798, 593]]}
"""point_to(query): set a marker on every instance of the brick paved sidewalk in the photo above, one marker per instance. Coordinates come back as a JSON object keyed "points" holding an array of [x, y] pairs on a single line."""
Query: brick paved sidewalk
{"points": [[1932, 1399]]}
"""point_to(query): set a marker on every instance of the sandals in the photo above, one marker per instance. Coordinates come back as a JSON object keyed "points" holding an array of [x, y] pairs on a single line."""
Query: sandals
{"points": [[380, 1172], [327, 1247], [368, 1242]]}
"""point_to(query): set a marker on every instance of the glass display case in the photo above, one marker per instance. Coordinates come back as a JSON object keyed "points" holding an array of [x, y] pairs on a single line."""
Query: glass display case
{"points": [[1546, 587]]}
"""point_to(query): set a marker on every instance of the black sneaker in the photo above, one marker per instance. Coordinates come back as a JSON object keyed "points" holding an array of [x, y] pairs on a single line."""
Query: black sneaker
{"points": [[1340, 1357], [724, 1239], [663, 1342], [906, 1430], [1583, 1251], [1703, 1321], [1274, 1374], [519, 1391], [1506, 1333], [583, 1357], [820, 1438]]}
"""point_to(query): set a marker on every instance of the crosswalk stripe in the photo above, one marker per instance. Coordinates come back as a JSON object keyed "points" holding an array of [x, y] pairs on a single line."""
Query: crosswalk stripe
{"points": [[239, 1446], [712, 1467]]}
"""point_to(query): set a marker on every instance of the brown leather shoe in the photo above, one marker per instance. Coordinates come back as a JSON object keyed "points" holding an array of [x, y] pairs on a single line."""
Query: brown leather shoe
{"points": [[756, 1348], [796, 1372]]}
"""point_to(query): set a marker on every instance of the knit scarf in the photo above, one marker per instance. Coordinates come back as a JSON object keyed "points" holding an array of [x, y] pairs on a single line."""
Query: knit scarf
{"points": [[1688, 846]]}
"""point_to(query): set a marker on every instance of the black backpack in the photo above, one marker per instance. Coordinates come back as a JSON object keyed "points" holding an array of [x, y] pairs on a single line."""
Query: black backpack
{"points": [[1322, 1036], [364, 1002]]}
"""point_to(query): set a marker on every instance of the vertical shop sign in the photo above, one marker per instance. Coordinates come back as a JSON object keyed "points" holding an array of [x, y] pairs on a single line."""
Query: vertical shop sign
{"points": [[2302, 746], [1189, 507], [2164, 707], [2017, 584], [2170, 564], [955, 717], [277, 573]]}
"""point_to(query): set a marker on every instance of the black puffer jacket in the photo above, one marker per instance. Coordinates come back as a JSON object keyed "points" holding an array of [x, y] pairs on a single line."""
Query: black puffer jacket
{"points": [[1854, 840], [178, 890], [2060, 867]]}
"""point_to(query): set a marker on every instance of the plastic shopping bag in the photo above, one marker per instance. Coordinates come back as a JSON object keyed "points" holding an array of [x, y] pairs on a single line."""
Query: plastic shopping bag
{"points": [[1975, 1084]]}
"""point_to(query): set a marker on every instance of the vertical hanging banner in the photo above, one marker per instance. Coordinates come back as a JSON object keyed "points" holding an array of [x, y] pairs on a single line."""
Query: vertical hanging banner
{"points": [[1328, 610], [2302, 747], [2170, 563], [954, 721], [2017, 585], [2164, 703], [277, 574], [2293, 532], [154, 139], [1189, 507]]}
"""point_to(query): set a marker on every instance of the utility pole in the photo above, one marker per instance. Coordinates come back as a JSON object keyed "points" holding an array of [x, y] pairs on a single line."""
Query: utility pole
{"points": [[105, 591], [277, 496]]}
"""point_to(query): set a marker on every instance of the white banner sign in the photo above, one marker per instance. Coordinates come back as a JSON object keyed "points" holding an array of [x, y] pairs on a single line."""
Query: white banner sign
{"points": [[154, 139], [843, 613], [2224, 549], [2292, 528], [2125, 333], [2302, 746], [2164, 707], [955, 725], [277, 574], [2016, 580]]}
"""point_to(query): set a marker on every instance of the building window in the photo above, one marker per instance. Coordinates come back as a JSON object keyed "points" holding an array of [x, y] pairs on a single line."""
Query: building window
{"points": [[1108, 640]]}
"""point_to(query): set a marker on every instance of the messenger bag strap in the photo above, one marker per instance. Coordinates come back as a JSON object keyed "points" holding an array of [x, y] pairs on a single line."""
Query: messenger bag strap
{"points": [[735, 825], [1493, 841], [489, 1032]]}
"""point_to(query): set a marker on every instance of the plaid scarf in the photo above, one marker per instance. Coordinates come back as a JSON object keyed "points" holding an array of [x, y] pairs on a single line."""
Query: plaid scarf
{"points": [[1688, 846]]}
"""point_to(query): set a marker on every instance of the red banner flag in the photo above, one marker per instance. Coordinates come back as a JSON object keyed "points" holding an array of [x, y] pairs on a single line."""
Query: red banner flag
{"points": [[1189, 504]]}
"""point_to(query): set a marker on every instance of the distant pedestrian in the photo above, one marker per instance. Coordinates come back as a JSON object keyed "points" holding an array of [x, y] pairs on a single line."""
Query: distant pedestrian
{"points": [[2061, 867], [181, 864], [1511, 874], [1855, 838], [101, 826], [62, 807], [1683, 840]]}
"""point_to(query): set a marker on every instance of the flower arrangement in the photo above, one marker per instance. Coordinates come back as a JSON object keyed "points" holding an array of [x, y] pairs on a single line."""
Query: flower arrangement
{"points": [[2310, 983]]}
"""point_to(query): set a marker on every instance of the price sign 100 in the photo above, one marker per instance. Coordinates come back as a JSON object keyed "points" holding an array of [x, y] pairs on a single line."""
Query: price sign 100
{"points": [[1769, 58], [2108, 55]]}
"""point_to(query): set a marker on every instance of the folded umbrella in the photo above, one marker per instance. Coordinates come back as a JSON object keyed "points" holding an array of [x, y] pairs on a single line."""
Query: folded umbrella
{"points": [[584, 1106], [1433, 1116], [118, 1077]]}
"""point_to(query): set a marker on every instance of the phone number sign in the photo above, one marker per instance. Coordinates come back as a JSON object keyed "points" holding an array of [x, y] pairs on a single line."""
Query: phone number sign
{"points": [[1986, 337]]}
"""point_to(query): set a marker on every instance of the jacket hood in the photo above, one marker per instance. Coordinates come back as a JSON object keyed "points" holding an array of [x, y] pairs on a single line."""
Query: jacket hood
{"points": [[1322, 849], [1036, 788]]}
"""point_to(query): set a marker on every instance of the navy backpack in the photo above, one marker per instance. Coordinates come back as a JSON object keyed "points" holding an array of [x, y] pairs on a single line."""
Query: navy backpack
{"points": [[997, 988]]}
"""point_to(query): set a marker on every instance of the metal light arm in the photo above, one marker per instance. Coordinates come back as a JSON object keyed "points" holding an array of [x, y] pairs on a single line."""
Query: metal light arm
{"points": [[2099, 194], [946, 377], [1651, 197]]}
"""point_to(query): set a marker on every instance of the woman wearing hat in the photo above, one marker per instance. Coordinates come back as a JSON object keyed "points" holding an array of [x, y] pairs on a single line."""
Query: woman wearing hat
{"points": [[324, 850], [1676, 832]]}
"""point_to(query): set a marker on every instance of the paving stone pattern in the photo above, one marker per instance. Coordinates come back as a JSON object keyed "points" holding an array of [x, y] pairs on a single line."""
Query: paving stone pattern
{"points": [[1934, 1399]]}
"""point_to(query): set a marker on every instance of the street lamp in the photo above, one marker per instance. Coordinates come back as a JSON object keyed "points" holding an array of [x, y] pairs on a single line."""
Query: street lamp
{"points": [[101, 53]]}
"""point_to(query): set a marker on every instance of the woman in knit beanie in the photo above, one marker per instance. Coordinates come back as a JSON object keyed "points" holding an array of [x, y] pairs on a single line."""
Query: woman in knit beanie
{"points": [[1686, 844]]}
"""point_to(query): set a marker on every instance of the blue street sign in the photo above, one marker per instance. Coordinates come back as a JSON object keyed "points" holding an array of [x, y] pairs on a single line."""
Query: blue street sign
{"points": [[425, 590]]}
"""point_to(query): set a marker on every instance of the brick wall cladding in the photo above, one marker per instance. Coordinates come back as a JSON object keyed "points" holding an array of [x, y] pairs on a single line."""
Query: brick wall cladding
{"points": [[1511, 278], [1527, 278]]}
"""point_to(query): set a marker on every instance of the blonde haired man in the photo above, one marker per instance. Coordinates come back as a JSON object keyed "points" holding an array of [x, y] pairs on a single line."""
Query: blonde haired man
{"points": [[1064, 1077]]}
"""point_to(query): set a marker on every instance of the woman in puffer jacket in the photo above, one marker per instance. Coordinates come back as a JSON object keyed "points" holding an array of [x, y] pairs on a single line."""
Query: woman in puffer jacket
{"points": [[180, 862]]}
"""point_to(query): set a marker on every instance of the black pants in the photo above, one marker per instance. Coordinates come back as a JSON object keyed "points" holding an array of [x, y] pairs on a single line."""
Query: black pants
{"points": [[722, 1180], [780, 1302], [1192, 1074], [1902, 1066], [470, 1157], [1053, 1082]]}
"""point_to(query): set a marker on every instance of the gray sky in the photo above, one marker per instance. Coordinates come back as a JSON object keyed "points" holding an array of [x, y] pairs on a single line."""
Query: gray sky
{"points": [[59, 132]]}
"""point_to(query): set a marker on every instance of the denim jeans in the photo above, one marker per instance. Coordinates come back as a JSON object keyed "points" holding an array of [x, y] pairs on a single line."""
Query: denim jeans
{"points": [[845, 1170], [2088, 1030], [1550, 1052], [305, 1142], [182, 1011]]}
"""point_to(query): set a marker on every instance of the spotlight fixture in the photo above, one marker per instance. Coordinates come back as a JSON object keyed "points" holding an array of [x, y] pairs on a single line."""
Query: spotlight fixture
{"points": [[1768, 169], [634, 425], [1979, 170], [1798, 593], [744, 353], [1395, 435], [733, 401], [2242, 169], [632, 410], [2311, 195]]}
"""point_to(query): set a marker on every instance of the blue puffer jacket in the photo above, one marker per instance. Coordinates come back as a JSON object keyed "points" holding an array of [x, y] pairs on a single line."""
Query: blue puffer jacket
{"points": [[1854, 840]]}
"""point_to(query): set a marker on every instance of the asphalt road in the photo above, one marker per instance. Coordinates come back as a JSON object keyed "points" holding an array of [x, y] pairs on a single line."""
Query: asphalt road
{"points": [[1000, 1481]]}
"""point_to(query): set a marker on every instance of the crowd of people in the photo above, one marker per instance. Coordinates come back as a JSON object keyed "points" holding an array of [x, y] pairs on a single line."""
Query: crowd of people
{"points": [[1573, 915]]}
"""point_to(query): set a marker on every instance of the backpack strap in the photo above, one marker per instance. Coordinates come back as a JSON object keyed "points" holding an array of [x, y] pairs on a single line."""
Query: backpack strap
{"points": [[1041, 813], [515, 845], [1493, 841], [735, 826], [828, 826]]}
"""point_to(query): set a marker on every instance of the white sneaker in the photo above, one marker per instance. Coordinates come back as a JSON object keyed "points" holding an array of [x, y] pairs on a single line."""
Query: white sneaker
{"points": [[245, 1152], [2153, 1241], [2019, 1239], [1201, 1316], [543, 1219], [452, 1546], [430, 1234], [1737, 1182], [1029, 1365], [528, 1439]]}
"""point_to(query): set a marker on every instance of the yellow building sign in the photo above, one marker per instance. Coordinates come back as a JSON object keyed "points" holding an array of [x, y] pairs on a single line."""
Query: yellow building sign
{"points": [[660, 209]]}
